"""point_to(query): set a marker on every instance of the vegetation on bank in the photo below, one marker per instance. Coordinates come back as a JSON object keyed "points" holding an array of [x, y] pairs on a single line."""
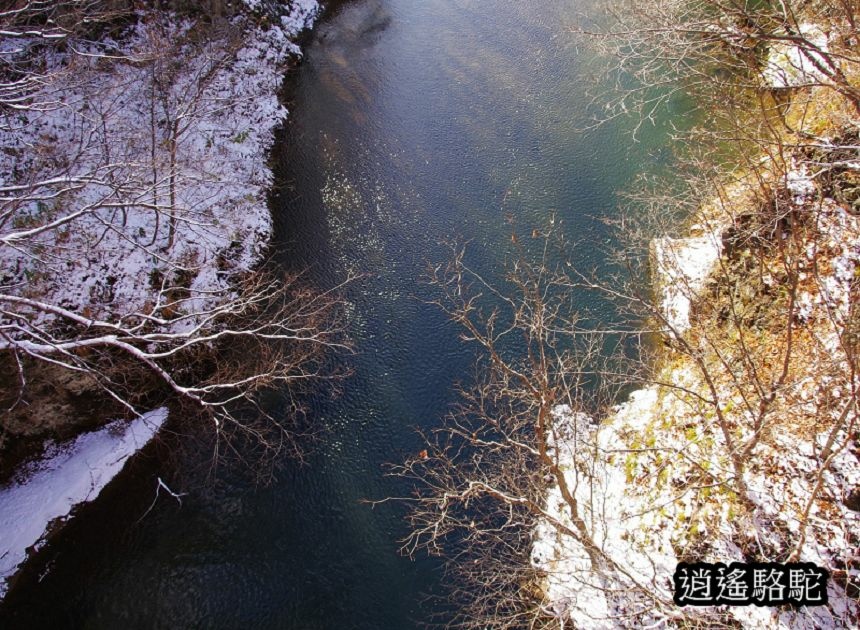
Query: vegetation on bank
{"points": [[741, 443], [134, 224]]}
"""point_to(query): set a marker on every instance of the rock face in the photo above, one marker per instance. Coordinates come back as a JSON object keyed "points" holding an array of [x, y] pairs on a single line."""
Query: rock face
{"points": [[56, 403]]}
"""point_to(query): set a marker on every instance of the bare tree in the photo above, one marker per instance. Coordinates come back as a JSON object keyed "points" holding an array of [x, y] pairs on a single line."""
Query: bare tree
{"points": [[282, 329], [31, 25], [536, 488], [725, 49], [523, 459], [131, 214], [480, 483]]}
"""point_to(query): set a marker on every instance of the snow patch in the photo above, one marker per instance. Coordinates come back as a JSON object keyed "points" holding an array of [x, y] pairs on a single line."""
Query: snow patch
{"points": [[66, 476], [645, 478], [301, 16], [576, 585], [681, 267], [789, 65]]}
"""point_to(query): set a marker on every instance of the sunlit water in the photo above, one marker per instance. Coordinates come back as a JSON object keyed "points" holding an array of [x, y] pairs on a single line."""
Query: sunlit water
{"points": [[413, 124]]}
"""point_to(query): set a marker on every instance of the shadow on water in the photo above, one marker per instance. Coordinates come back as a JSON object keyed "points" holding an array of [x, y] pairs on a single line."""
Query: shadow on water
{"points": [[412, 124]]}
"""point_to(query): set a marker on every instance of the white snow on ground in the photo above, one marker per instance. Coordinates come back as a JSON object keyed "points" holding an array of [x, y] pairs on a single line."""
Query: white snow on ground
{"points": [[681, 266], [642, 478], [66, 476], [301, 16], [96, 143], [789, 65], [104, 136], [638, 517], [572, 588]]}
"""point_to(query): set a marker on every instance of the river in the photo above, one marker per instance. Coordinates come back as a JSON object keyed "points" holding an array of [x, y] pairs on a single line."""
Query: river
{"points": [[412, 124]]}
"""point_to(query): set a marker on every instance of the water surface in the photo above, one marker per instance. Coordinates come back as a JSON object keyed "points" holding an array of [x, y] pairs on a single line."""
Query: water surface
{"points": [[413, 123]]}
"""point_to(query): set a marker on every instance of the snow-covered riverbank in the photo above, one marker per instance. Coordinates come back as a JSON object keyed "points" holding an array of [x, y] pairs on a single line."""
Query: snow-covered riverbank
{"points": [[137, 173], [742, 446], [650, 478], [150, 170], [46, 491]]}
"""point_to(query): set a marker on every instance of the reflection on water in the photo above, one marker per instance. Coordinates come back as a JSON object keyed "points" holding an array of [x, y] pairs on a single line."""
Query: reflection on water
{"points": [[412, 124]]}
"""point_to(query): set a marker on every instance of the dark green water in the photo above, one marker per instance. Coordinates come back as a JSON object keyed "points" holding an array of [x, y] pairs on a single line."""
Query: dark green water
{"points": [[412, 123]]}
